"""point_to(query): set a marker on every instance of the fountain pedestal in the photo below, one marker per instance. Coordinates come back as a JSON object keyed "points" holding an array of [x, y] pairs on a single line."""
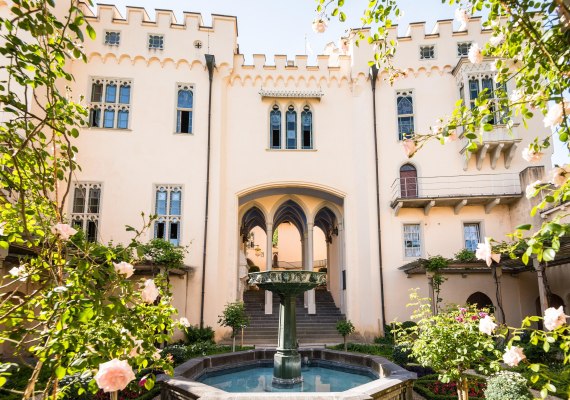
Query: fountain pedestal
{"points": [[287, 284]]}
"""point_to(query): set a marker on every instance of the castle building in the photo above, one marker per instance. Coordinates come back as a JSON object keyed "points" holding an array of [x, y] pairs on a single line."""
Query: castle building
{"points": [[180, 126]]}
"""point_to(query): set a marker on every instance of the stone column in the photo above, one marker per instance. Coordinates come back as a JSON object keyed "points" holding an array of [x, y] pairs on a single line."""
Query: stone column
{"points": [[541, 275], [287, 361], [311, 293], [268, 266], [341, 266]]}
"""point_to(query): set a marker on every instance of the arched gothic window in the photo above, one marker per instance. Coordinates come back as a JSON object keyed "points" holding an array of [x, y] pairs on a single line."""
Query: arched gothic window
{"points": [[405, 108], [184, 108], [275, 128], [307, 128], [291, 128], [408, 181]]}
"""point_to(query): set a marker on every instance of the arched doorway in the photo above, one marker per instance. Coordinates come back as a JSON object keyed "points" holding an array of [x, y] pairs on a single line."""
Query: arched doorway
{"points": [[408, 181], [481, 300]]}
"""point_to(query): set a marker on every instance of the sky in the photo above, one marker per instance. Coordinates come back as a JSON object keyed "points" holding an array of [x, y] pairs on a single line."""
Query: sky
{"points": [[283, 27]]}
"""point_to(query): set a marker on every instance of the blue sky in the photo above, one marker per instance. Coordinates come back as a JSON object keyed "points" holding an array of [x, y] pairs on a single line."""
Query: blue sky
{"points": [[280, 27]]}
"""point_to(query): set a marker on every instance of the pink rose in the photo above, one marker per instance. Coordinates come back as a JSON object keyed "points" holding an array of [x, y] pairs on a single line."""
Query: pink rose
{"points": [[124, 268], [114, 375], [554, 317], [149, 292], [462, 16], [513, 356], [459, 319], [560, 175], [531, 156], [483, 314], [474, 318], [485, 252], [462, 310], [557, 113], [64, 231], [451, 136], [409, 147], [319, 25], [475, 54], [486, 325]]}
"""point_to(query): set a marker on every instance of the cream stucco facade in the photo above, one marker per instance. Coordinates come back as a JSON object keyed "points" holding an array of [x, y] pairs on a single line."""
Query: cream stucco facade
{"points": [[327, 191]]}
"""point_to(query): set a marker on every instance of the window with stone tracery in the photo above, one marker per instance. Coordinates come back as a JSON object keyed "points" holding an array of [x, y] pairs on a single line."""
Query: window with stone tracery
{"points": [[494, 92], [405, 109], [168, 210], [86, 207], [109, 105], [290, 125]]}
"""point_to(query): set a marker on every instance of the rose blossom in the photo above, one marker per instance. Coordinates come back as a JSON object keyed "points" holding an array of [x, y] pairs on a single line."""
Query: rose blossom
{"points": [[462, 310], [409, 147], [474, 318], [18, 272], [497, 40], [462, 16], [184, 322], [319, 25], [560, 175], [137, 349], [459, 319], [114, 375], [554, 317], [142, 382], [531, 156], [513, 356], [475, 55], [531, 189], [150, 291], [483, 314], [486, 325], [156, 355], [556, 114], [64, 231], [124, 268], [485, 252], [451, 137], [516, 96]]}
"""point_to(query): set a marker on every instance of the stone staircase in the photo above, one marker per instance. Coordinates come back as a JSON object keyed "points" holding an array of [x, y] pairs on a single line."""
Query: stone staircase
{"points": [[319, 328]]}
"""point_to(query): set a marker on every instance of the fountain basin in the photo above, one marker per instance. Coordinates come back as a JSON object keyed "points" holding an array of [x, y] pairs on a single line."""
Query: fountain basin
{"points": [[392, 381]]}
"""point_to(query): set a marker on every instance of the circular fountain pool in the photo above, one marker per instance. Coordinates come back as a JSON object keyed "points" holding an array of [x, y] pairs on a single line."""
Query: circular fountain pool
{"points": [[321, 376]]}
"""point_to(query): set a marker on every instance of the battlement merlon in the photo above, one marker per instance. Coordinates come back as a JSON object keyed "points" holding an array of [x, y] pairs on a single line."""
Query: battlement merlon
{"points": [[109, 13]]}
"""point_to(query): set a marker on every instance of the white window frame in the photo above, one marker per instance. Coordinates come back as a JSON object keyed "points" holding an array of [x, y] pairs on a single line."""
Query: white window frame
{"points": [[495, 100], [192, 88], [472, 222], [115, 106], [406, 93], [421, 240], [168, 217], [148, 46], [112, 44], [86, 216], [468, 43], [420, 51]]}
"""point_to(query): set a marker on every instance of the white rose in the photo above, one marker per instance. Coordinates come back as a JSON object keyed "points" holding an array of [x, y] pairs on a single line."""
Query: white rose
{"points": [[554, 317], [114, 375], [124, 268], [184, 322], [475, 54], [497, 40], [513, 356], [462, 16], [64, 231], [486, 325], [149, 292], [560, 175], [531, 156], [531, 189], [485, 252], [319, 25]]}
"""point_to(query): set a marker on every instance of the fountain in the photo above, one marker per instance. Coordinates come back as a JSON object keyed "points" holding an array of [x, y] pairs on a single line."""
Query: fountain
{"points": [[251, 374], [287, 284]]}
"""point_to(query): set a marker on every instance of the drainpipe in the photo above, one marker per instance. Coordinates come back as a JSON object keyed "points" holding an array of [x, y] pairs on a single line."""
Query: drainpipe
{"points": [[373, 79], [210, 63]]}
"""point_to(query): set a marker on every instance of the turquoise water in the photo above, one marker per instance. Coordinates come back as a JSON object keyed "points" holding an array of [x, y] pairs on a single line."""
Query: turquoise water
{"points": [[315, 379]]}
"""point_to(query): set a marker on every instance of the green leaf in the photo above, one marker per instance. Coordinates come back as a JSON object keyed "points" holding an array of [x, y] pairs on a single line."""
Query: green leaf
{"points": [[2, 381], [91, 32], [534, 367], [548, 255], [60, 372], [149, 384], [524, 227]]}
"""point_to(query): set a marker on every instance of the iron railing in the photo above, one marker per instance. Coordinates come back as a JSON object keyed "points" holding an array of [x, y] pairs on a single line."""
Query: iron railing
{"points": [[455, 186]]}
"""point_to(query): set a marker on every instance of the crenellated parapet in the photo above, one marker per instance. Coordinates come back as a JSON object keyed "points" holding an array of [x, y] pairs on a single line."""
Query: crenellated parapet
{"points": [[164, 38]]}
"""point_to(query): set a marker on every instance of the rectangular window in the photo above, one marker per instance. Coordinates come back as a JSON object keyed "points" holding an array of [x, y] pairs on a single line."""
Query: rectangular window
{"points": [[184, 108], [291, 129], [156, 42], [412, 240], [472, 235], [473, 91], [112, 38], [405, 109], [86, 208], [463, 49], [427, 52], [168, 209], [494, 92], [110, 103]]}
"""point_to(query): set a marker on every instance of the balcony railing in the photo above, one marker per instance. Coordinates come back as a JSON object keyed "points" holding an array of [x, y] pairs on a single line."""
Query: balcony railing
{"points": [[456, 190]]}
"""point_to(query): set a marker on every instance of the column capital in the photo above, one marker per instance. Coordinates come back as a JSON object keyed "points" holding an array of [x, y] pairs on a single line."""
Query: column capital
{"points": [[310, 225]]}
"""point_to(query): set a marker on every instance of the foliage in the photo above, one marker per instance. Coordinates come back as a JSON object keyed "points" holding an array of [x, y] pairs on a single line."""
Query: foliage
{"points": [[449, 342], [401, 354], [254, 268], [434, 265], [432, 389], [275, 238], [373, 349], [465, 255], [507, 385], [529, 46], [66, 305], [162, 252], [344, 328], [234, 316], [196, 334], [178, 352]]}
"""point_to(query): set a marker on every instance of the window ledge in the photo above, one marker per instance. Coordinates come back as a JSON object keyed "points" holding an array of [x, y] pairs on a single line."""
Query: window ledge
{"points": [[291, 150], [182, 134], [92, 128]]}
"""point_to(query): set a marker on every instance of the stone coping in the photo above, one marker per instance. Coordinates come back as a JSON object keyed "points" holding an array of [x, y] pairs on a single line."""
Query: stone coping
{"points": [[394, 382]]}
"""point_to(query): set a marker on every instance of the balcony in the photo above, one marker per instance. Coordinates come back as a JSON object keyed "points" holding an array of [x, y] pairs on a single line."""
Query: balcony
{"points": [[495, 142], [487, 190]]}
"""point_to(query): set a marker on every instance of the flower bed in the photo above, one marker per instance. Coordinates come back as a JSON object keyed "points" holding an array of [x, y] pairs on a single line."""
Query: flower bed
{"points": [[432, 389]]}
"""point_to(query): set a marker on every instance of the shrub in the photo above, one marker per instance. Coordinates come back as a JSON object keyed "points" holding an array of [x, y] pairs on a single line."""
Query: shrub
{"points": [[433, 389], [373, 349], [507, 385], [179, 353], [323, 269], [401, 354], [254, 268], [344, 328], [465, 255], [234, 316], [201, 349], [196, 334]]}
